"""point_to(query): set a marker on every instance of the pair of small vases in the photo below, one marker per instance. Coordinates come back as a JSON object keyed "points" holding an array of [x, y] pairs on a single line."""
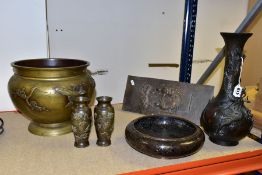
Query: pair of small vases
{"points": [[81, 118]]}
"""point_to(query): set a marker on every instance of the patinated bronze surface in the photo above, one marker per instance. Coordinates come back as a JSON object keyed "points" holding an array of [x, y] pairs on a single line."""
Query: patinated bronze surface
{"points": [[155, 96], [225, 119], [81, 119], [104, 114], [42, 89], [164, 136]]}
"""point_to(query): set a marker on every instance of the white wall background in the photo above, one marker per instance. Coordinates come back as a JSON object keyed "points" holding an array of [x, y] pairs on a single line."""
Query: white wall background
{"points": [[22, 36], [122, 36], [214, 17]]}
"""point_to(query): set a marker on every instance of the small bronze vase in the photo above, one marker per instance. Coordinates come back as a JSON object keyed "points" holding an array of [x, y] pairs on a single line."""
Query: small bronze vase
{"points": [[225, 118], [104, 120], [81, 119]]}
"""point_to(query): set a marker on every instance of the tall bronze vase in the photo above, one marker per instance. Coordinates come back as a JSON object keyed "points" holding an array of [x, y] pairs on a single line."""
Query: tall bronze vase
{"points": [[225, 119]]}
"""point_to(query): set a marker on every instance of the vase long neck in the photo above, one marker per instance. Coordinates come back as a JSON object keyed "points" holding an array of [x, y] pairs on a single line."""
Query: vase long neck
{"points": [[232, 69], [234, 44]]}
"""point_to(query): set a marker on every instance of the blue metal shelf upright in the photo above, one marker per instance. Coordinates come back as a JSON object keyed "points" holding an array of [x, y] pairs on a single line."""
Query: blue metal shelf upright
{"points": [[189, 26]]}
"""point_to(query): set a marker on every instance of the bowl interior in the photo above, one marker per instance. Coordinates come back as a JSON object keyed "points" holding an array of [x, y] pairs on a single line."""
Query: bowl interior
{"points": [[50, 63], [165, 127]]}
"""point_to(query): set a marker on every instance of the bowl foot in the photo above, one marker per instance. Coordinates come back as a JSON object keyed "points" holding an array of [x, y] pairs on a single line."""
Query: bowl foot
{"points": [[50, 129]]}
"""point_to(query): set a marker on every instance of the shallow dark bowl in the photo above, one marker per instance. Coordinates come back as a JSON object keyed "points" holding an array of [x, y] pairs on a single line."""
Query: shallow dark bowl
{"points": [[164, 136]]}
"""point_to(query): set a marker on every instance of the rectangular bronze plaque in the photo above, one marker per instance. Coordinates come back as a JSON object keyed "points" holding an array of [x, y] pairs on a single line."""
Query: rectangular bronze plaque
{"points": [[163, 97]]}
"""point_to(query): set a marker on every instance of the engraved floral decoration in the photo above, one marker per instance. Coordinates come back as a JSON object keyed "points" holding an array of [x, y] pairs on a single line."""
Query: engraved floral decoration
{"points": [[104, 122], [80, 127], [33, 104]]}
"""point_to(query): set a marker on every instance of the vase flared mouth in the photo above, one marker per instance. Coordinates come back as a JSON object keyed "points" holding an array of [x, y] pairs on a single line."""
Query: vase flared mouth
{"points": [[104, 99], [235, 39], [228, 34], [50, 63]]}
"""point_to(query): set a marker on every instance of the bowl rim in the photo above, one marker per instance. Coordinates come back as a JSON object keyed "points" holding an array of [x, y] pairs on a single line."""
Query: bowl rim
{"points": [[14, 64], [131, 126]]}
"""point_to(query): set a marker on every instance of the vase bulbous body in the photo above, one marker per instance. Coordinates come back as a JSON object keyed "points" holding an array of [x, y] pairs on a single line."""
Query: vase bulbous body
{"points": [[225, 119], [41, 89]]}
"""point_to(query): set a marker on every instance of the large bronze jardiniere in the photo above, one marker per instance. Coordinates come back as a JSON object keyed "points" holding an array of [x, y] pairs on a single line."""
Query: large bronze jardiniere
{"points": [[42, 89]]}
